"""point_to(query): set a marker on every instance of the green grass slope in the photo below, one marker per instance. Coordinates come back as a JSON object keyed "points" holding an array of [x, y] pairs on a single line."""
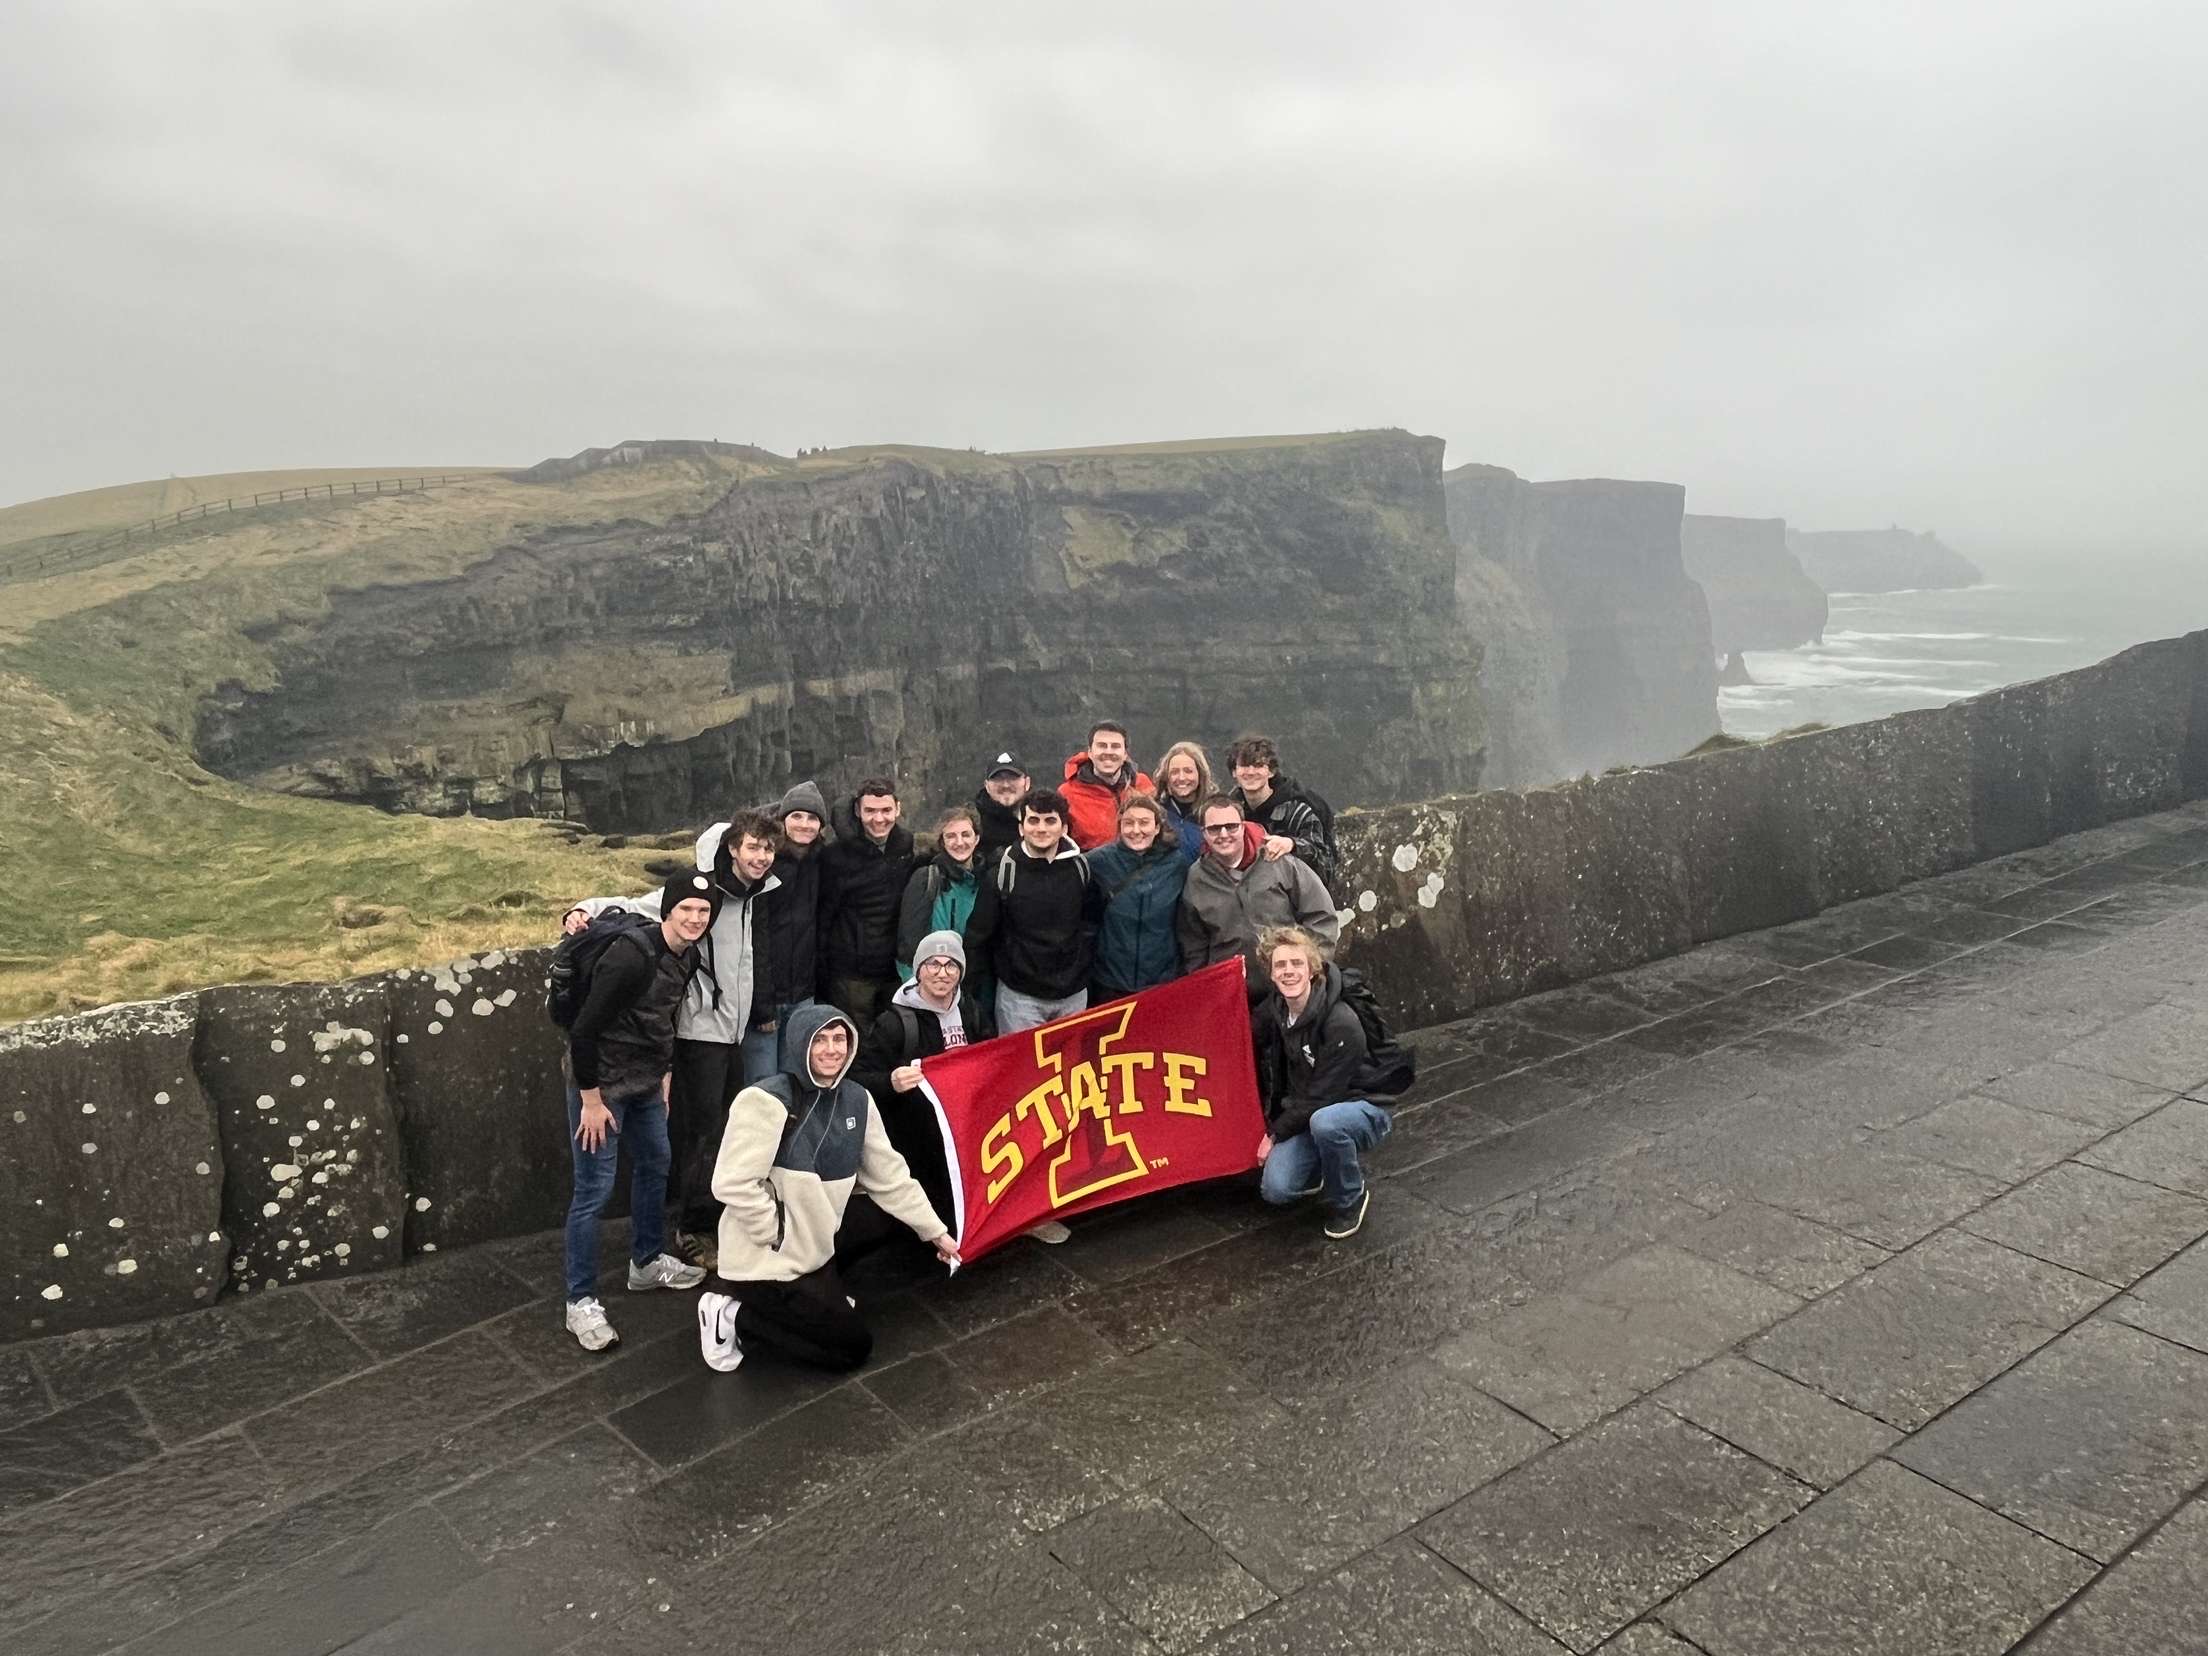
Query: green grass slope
{"points": [[133, 872]]}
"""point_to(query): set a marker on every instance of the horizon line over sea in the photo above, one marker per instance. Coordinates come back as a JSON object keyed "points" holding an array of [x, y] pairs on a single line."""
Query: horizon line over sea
{"points": [[1889, 652]]}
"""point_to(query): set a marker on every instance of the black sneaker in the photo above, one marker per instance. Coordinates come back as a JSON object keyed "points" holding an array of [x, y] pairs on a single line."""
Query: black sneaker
{"points": [[1311, 1189], [1345, 1222]]}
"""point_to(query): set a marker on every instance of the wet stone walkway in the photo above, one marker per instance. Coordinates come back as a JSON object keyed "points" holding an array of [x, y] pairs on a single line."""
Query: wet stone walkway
{"points": [[1840, 1288]]}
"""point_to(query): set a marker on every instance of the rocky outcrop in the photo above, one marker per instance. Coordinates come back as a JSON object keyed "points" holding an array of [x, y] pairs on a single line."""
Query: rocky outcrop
{"points": [[1880, 560], [1598, 643], [907, 609], [1760, 596], [142, 1136]]}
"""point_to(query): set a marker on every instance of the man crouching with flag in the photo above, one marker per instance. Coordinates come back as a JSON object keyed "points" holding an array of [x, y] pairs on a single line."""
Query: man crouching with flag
{"points": [[796, 1145]]}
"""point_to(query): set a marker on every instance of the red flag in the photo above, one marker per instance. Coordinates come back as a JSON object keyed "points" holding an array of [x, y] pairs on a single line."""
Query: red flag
{"points": [[1129, 1097]]}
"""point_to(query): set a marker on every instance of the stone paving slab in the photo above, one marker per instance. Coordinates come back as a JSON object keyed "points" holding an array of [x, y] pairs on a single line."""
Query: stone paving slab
{"points": [[1840, 1288], [1889, 1564], [2088, 1441], [1587, 1536]]}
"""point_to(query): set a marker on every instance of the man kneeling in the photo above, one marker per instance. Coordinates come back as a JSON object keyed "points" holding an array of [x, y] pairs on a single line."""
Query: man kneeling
{"points": [[796, 1145], [1314, 1071]]}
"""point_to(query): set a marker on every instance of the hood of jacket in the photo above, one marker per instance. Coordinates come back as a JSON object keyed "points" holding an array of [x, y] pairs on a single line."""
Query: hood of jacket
{"points": [[908, 994], [797, 1041], [1067, 847], [1080, 768]]}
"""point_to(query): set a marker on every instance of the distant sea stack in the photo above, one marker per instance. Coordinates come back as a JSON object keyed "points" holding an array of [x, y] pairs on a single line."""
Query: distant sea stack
{"points": [[1880, 560], [1598, 647], [1760, 596]]}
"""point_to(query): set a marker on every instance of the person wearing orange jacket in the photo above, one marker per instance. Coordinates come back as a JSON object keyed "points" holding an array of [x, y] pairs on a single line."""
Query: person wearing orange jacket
{"points": [[1097, 779]]}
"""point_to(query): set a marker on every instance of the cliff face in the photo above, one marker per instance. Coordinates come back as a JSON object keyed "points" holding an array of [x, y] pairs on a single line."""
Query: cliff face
{"points": [[1598, 643], [1760, 596], [1880, 560], [910, 610]]}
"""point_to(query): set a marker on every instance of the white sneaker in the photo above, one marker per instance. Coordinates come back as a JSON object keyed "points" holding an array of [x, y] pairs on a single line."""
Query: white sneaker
{"points": [[1049, 1230], [717, 1331], [664, 1272], [586, 1320]]}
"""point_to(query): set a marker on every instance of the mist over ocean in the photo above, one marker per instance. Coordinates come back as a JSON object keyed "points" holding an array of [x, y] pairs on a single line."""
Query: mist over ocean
{"points": [[1886, 652]]}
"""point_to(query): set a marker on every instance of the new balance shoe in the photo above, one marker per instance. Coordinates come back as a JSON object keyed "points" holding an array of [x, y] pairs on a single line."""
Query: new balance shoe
{"points": [[1344, 1222], [664, 1272], [1311, 1189], [586, 1320], [717, 1331]]}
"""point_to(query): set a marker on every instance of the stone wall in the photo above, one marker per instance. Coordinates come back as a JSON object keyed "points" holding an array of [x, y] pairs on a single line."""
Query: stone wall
{"points": [[249, 1136]]}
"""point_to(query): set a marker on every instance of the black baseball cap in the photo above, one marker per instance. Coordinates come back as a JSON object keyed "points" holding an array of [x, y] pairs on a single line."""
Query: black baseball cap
{"points": [[1004, 764]]}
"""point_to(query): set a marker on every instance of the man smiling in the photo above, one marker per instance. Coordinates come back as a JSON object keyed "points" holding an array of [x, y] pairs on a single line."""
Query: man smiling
{"points": [[1097, 779]]}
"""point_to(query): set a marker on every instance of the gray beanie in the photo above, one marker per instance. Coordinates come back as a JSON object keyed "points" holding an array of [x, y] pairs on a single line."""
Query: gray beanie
{"points": [[806, 796], [941, 943]]}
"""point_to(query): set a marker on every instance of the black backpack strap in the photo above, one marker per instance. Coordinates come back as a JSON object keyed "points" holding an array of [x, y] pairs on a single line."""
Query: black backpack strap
{"points": [[910, 1020]]}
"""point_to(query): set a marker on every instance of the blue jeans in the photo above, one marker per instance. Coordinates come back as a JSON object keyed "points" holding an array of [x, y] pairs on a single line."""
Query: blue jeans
{"points": [[759, 1054], [641, 1119], [1328, 1152]]}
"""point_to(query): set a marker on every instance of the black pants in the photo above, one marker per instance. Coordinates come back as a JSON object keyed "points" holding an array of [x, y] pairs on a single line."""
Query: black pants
{"points": [[707, 1075], [808, 1321]]}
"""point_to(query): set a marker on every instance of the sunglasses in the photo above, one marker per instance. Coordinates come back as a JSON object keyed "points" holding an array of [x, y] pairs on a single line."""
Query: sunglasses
{"points": [[1224, 828]]}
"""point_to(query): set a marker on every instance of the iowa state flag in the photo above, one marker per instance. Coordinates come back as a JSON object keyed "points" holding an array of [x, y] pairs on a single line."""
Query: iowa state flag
{"points": [[1129, 1097]]}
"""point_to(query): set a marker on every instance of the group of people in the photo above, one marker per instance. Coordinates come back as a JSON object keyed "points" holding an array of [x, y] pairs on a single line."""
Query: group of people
{"points": [[753, 1031]]}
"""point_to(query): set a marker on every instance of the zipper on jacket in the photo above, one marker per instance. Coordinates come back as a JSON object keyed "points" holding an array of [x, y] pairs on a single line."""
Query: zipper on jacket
{"points": [[775, 1196]]}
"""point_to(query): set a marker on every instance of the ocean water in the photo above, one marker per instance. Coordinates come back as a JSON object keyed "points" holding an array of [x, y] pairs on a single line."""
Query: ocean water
{"points": [[1887, 652]]}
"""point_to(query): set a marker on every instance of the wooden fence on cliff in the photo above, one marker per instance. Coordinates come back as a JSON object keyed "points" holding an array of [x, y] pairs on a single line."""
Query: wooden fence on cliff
{"points": [[51, 556]]}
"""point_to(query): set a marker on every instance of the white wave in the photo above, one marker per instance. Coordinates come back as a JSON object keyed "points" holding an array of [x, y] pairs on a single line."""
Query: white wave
{"points": [[1904, 637]]}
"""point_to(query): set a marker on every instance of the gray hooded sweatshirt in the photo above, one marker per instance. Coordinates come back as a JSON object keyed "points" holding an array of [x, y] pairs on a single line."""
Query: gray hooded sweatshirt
{"points": [[727, 949]]}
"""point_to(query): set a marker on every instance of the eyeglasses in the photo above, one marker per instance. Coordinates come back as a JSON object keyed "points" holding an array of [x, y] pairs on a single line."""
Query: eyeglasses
{"points": [[1223, 828], [944, 965]]}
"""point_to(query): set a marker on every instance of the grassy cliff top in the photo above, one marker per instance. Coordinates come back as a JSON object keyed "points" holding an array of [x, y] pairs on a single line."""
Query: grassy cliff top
{"points": [[136, 872], [91, 510]]}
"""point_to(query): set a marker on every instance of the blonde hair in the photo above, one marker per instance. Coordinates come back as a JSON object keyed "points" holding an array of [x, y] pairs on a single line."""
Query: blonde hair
{"points": [[1204, 784], [1291, 937]]}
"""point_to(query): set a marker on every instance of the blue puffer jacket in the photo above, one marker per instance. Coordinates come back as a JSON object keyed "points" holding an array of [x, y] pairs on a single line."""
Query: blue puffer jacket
{"points": [[1183, 823], [1140, 894]]}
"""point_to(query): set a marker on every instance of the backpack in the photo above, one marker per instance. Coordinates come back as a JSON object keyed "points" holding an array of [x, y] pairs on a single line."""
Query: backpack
{"points": [[1009, 859], [1390, 1067], [577, 957]]}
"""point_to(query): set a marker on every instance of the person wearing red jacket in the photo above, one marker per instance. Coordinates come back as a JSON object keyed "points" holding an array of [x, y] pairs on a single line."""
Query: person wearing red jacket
{"points": [[1097, 779]]}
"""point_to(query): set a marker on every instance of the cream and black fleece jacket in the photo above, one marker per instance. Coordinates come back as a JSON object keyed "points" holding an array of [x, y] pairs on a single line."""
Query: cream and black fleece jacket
{"points": [[796, 1145]]}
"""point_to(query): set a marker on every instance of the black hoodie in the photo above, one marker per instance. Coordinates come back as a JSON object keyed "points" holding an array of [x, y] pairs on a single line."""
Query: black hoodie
{"points": [[1317, 1061], [861, 884], [1034, 924]]}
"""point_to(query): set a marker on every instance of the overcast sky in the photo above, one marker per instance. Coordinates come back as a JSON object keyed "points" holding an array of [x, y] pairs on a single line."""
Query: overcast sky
{"points": [[1943, 264]]}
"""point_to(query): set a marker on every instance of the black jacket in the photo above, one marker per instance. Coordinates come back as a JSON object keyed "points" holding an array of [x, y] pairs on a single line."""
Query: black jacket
{"points": [[1034, 924], [1318, 1061], [786, 941], [908, 1117], [1288, 812], [623, 1038], [861, 884], [1000, 826]]}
